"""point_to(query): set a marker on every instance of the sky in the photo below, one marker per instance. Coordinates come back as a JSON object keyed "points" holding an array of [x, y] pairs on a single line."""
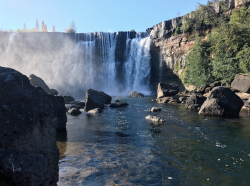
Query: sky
{"points": [[92, 15]]}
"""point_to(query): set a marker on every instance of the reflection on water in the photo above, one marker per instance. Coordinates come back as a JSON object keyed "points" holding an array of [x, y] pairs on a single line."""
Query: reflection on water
{"points": [[120, 147]]}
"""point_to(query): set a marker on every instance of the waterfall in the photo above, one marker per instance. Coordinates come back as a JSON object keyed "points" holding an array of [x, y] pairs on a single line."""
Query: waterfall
{"points": [[115, 63]]}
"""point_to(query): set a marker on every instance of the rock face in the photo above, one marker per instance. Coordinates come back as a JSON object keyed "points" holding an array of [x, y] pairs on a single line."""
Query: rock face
{"points": [[135, 94], [195, 101], [166, 90], [96, 110], [96, 99], [221, 101], [28, 151], [117, 104], [241, 83], [38, 82]]}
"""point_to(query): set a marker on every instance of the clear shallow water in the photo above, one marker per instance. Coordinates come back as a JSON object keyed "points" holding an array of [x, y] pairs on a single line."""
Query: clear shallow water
{"points": [[120, 147]]}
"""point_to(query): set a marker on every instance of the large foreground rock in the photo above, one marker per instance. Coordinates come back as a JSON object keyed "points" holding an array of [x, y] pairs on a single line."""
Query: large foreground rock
{"points": [[135, 94], [241, 83], [221, 101], [96, 99], [165, 89], [195, 101], [28, 151]]}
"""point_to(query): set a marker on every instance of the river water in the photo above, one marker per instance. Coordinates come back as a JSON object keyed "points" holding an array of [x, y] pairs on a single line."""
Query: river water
{"points": [[120, 147]]}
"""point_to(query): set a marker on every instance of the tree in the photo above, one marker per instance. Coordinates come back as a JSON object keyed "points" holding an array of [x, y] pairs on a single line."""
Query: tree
{"points": [[37, 26], [132, 30], [43, 27], [72, 28], [54, 29], [24, 27]]}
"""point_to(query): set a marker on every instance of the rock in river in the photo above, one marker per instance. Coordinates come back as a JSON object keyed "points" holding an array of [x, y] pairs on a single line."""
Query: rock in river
{"points": [[154, 119], [96, 99], [74, 112], [96, 110], [28, 150], [221, 101], [195, 101], [118, 103], [135, 94], [155, 109], [165, 89]]}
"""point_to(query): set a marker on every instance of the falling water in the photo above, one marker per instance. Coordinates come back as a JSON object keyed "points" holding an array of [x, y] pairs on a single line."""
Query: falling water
{"points": [[11, 37]]}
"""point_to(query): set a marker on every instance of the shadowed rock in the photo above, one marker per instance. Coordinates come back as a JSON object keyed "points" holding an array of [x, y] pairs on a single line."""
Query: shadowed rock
{"points": [[38, 82], [195, 101], [135, 94], [221, 101], [166, 90], [74, 112], [28, 151], [117, 104]]}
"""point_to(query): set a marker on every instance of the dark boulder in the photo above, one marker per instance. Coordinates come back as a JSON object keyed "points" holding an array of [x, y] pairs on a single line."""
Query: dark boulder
{"points": [[135, 94], [96, 99], [54, 92], [242, 83], [165, 89], [195, 101], [155, 109], [68, 99], [59, 111], [118, 103], [221, 101], [95, 111], [38, 82], [28, 150], [74, 112]]}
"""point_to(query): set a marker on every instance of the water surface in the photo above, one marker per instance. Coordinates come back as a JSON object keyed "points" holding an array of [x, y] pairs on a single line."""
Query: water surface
{"points": [[120, 147]]}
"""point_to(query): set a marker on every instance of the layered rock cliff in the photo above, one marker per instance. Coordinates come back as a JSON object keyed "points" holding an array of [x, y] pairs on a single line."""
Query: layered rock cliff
{"points": [[174, 47]]}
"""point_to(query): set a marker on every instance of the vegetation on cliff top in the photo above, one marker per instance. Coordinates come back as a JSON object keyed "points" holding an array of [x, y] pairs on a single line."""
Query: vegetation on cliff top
{"points": [[223, 53]]}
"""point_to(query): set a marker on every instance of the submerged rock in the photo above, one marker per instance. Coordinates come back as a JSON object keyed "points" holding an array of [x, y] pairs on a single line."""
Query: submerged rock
{"points": [[96, 99], [155, 109], [165, 89], [96, 110], [74, 111], [154, 119], [195, 101], [221, 101], [118, 103], [135, 94], [28, 151]]}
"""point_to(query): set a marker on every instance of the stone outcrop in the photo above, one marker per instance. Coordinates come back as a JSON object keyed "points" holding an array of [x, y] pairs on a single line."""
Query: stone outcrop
{"points": [[135, 94], [221, 101], [165, 89], [242, 83], [117, 104], [195, 101], [96, 99], [28, 151]]}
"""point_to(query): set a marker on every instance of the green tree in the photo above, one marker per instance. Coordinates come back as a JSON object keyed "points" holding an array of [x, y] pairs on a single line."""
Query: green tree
{"points": [[198, 64], [72, 28]]}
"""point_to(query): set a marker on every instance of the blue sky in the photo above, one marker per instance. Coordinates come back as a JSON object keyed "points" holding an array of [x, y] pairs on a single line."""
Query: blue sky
{"points": [[92, 15]]}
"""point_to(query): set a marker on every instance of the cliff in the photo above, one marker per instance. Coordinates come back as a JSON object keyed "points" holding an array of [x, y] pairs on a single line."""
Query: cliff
{"points": [[174, 46]]}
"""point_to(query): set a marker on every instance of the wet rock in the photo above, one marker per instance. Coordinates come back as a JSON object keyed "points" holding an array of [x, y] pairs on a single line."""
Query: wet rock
{"points": [[38, 82], [155, 109], [96, 99], [74, 112], [96, 110], [165, 89], [68, 99], [242, 83], [28, 151], [117, 104], [135, 94], [221, 101], [195, 101], [154, 119]]}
